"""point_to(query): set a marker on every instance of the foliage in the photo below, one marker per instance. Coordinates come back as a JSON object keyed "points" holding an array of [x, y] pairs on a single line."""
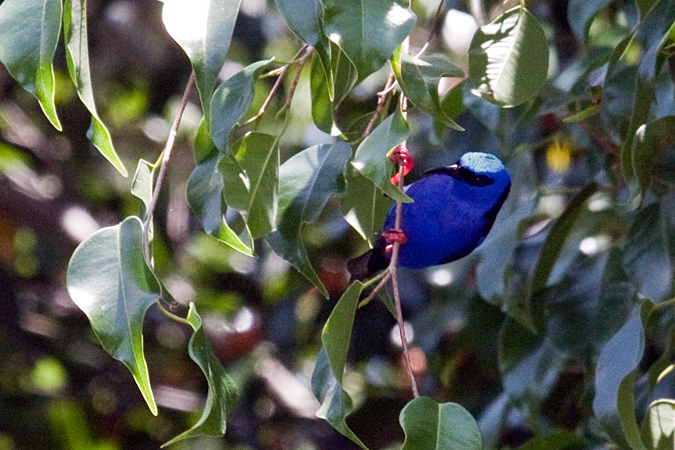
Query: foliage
{"points": [[556, 333]]}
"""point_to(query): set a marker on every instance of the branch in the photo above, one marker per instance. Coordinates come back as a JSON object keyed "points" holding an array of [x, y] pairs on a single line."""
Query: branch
{"points": [[164, 162]]}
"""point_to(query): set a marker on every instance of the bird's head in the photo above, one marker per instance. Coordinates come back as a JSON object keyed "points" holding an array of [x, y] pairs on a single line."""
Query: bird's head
{"points": [[481, 170]]}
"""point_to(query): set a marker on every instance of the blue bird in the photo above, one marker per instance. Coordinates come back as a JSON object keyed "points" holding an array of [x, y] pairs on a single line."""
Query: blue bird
{"points": [[454, 208]]}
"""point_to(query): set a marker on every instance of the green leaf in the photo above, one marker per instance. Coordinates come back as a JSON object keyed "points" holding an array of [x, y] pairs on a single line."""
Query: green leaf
{"points": [[558, 440], [555, 240], [337, 331], [419, 80], [251, 182], [432, 426], [110, 282], [141, 187], [335, 402], [203, 28], [205, 197], [364, 206], [649, 252], [580, 13], [508, 58], [77, 53], [231, 101], [29, 32], [222, 393], [613, 404], [307, 180], [658, 428], [329, 87], [368, 32], [371, 156], [650, 143], [303, 17]]}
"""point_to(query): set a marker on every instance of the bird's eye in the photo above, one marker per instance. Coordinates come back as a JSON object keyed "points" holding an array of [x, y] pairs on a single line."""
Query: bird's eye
{"points": [[465, 175]]}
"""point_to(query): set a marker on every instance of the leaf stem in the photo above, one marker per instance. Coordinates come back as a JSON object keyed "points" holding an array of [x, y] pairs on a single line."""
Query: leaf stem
{"points": [[164, 162], [381, 100]]}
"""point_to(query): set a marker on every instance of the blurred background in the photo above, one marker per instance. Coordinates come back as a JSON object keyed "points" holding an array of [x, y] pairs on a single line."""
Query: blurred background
{"points": [[59, 389]]}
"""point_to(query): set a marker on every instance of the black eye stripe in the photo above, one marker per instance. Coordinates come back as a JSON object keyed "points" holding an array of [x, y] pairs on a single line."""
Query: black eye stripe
{"points": [[463, 174]]}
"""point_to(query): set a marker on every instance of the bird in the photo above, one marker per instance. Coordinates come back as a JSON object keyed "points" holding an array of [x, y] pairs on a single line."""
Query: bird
{"points": [[453, 210]]}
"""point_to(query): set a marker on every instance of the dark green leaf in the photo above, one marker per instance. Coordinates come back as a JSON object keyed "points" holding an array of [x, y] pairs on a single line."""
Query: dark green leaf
{"points": [[251, 182], [205, 193], [419, 80], [77, 53], [307, 180], [556, 238], [650, 250], [650, 143], [658, 428], [335, 402], [110, 282], [231, 101], [613, 404], [203, 28], [433, 426], [29, 32], [508, 58], [337, 331], [222, 393], [364, 206], [371, 156], [559, 440], [368, 32]]}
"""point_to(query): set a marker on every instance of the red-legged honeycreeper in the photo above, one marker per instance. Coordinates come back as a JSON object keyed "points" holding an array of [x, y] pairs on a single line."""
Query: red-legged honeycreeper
{"points": [[453, 210]]}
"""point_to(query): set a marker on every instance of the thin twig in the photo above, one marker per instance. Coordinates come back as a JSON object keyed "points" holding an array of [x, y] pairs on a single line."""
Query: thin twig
{"points": [[381, 99], [164, 157], [432, 29], [301, 64], [281, 73]]}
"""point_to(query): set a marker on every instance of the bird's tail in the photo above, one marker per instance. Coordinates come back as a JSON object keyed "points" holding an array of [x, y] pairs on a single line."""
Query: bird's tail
{"points": [[368, 264]]}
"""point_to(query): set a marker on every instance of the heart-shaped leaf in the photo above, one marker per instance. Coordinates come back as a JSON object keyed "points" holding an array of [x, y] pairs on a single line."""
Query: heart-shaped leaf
{"points": [[110, 282], [432, 426]]}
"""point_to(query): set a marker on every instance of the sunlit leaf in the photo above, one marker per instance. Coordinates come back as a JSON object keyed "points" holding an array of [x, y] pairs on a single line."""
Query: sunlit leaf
{"points": [[419, 79], [231, 101], [222, 393], [368, 32], [110, 282], [335, 402], [658, 428], [364, 206], [433, 426], [508, 58], [29, 32], [371, 159], [141, 186], [77, 53], [203, 28], [307, 180], [613, 403]]}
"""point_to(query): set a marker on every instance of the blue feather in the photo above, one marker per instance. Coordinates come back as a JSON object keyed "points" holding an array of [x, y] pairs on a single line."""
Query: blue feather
{"points": [[454, 208]]}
